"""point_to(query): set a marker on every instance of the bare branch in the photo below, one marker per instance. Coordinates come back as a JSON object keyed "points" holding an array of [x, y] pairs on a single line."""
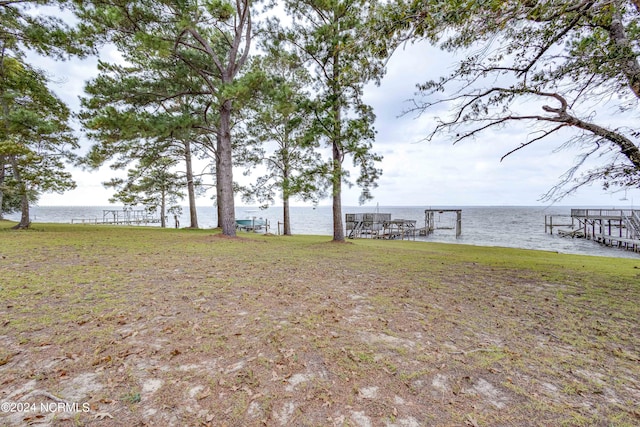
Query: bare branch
{"points": [[560, 115], [551, 43], [526, 144], [245, 15]]}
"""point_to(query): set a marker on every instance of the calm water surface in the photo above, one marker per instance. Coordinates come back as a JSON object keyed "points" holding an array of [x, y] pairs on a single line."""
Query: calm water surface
{"points": [[510, 226]]}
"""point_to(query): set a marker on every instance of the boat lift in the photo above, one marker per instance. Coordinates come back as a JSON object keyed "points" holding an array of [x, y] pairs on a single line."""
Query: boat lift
{"points": [[430, 223]]}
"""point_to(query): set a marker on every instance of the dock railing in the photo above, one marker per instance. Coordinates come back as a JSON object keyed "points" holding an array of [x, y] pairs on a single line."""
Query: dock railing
{"points": [[603, 213], [128, 217], [612, 227], [632, 222], [84, 221], [365, 224], [629, 218], [635, 219], [120, 217]]}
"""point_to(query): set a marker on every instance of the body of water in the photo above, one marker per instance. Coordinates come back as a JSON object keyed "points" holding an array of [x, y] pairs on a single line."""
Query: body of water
{"points": [[508, 226]]}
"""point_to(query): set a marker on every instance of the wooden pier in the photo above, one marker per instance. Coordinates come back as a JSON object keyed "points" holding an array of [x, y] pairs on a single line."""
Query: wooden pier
{"points": [[120, 217], [379, 226], [399, 229], [610, 227]]}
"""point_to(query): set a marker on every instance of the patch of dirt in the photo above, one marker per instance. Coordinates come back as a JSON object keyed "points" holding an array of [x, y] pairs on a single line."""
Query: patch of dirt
{"points": [[236, 238], [261, 338]]}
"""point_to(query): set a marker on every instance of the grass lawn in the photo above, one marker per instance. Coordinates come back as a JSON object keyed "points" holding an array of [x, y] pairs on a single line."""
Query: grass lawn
{"points": [[127, 326]]}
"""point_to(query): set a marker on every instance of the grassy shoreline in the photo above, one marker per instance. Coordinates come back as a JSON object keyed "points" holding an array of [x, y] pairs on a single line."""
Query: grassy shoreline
{"points": [[184, 327]]}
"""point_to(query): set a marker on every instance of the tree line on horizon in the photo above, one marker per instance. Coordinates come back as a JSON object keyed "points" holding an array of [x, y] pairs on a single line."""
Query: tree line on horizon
{"points": [[277, 87]]}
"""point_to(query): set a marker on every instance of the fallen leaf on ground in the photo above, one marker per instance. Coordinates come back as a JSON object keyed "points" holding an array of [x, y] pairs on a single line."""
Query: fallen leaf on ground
{"points": [[470, 421], [102, 416]]}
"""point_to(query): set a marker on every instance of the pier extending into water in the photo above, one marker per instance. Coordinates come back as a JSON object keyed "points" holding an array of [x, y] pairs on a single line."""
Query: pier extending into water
{"points": [[381, 226], [121, 217], [610, 227]]}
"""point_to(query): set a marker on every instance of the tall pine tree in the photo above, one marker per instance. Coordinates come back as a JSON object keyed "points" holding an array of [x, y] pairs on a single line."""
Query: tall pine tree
{"points": [[280, 127], [331, 36], [220, 31], [35, 136]]}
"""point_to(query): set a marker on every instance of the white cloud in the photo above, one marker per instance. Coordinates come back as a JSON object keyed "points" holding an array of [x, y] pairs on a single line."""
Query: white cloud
{"points": [[433, 173]]}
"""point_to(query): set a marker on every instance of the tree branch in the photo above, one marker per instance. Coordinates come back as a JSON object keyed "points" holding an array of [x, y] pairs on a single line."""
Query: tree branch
{"points": [[624, 144], [245, 19], [550, 44], [544, 135], [206, 46]]}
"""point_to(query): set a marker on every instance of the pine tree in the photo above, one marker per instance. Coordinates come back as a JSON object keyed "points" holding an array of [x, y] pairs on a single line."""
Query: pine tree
{"points": [[331, 36], [35, 135]]}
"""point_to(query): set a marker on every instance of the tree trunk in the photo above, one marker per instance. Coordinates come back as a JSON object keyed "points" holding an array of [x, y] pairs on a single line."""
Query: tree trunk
{"points": [[193, 214], [24, 196], [163, 212], [338, 231], [285, 198], [285, 214], [218, 181], [218, 205], [2, 175], [336, 177], [25, 221], [5, 117], [224, 170]]}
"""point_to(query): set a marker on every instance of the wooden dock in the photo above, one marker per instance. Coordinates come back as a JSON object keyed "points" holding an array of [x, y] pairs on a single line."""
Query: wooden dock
{"points": [[379, 226], [365, 225], [610, 227], [120, 217], [382, 226], [399, 229]]}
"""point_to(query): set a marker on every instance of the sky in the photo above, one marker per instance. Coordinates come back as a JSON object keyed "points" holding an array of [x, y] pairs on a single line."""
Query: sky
{"points": [[415, 172]]}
